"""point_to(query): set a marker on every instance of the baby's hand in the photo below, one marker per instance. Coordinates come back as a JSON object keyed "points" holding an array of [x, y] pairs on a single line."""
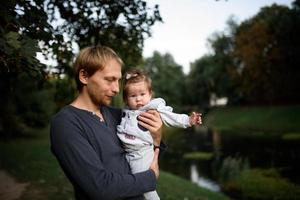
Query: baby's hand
{"points": [[195, 119]]}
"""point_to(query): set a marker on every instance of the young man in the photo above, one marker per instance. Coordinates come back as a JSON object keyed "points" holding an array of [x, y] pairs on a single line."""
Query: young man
{"points": [[83, 134]]}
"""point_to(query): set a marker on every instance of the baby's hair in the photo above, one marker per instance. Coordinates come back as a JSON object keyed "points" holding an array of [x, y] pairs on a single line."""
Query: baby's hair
{"points": [[135, 75]]}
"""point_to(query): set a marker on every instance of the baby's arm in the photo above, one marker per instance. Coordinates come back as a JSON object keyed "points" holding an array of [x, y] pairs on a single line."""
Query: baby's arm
{"points": [[195, 118]]}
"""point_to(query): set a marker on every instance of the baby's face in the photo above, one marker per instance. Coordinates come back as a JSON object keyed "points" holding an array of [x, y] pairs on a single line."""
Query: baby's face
{"points": [[138, 95]]}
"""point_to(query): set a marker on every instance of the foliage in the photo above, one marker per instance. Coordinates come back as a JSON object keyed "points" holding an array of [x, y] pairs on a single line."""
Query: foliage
{"points": [[254, 62], [121, 25], [266, 50], [199, 83], [28, 104], [23, 25], [231, 168], [64, 94], [167, 78], [266, 184], [24, 101], [55, 28], [209, 74]]}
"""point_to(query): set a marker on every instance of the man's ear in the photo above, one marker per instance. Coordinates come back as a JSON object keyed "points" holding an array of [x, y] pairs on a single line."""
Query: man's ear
{"points": [[83, 76]]}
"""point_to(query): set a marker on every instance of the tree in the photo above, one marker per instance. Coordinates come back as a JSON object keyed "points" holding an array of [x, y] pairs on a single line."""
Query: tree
{"points": [[122, 25], [199, 83], [167, 79], [267, 56], [209, 75], [220, 62], [257, 61], [55, 28], [23, 26]]}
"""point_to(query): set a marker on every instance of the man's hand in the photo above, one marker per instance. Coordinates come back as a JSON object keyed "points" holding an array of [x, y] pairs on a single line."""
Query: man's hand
{"points": [[154, 165], [151, 120]]}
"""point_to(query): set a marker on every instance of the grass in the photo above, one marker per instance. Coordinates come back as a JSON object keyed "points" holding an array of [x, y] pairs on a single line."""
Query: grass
{"points": [[277, 119], [30, 160], [198, 156], [172, 187], [266, 184]]}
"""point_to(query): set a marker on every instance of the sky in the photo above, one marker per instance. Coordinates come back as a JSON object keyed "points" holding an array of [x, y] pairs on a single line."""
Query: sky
{"points": [[189, 23]]}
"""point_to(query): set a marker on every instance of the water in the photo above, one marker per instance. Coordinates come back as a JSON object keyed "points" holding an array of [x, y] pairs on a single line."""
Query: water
{"points": [[261, 150], [201, 181]]}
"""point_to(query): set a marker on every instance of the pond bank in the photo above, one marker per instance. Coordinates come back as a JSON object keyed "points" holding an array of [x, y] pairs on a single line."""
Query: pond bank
{"points": [[276, 119]]}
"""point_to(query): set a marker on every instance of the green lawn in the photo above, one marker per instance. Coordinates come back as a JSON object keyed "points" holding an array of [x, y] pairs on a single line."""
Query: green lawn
{"points": [[280, 119], [30, 160]]}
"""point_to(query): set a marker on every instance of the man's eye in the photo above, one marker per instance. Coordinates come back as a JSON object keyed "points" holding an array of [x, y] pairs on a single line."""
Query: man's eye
{"points": [[110, 79]]}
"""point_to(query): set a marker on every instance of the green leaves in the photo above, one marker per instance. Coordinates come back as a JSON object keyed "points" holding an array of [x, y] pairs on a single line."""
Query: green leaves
{"points": [[12, 39], [122, 25], [167, 78], [255, 62]]}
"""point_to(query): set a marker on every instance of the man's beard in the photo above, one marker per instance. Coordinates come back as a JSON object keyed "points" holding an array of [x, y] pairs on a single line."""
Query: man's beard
{"points": [[101, 101]]}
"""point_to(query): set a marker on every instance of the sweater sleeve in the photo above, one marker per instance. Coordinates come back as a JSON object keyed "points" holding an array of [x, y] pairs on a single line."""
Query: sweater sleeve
{"points": [[84, 168], [172, 119], [175, 119], [166, 112]]}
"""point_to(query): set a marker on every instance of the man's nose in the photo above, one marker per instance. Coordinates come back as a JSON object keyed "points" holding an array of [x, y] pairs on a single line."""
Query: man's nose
{"points": [[115, 87]]}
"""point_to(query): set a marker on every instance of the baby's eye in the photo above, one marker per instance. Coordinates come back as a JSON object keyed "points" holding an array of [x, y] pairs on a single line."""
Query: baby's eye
{"points": [[133, 95], [142, 94]]}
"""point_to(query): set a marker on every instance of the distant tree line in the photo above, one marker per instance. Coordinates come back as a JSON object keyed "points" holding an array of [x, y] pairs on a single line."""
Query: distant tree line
{"points": [[255, 62]]}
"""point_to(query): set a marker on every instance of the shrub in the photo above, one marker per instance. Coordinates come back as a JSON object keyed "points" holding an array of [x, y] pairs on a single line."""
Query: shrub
{"points": [[266, 184]]}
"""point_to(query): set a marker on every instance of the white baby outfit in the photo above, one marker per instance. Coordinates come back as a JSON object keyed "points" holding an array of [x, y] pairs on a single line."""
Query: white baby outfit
{"points": [[138, 142]]}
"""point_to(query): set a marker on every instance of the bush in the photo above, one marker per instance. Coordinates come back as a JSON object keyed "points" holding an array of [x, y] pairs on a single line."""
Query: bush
{"points": [[262, 184], [231, 168]]}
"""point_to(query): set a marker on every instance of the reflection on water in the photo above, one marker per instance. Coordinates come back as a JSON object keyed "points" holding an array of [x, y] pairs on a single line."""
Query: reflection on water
{"points": [[262, 150], [201, 181]]}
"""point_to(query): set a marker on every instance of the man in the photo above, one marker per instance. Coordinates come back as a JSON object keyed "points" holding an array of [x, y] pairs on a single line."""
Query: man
{"points": [[83, 134]]}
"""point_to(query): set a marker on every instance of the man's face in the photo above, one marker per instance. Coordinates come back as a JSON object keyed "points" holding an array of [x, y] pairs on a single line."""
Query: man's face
{"points": [[103, 85]]}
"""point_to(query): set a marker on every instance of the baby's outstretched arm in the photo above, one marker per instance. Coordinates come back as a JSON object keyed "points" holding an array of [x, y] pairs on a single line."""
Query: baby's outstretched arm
{"points": [[195, 118]]}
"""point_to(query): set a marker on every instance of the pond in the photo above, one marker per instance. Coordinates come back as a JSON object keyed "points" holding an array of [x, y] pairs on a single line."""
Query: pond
{"points": [[254, 149]]}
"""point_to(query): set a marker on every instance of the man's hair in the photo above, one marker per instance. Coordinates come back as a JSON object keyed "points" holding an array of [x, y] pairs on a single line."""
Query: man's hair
{"points": [[92, 59], [135, 76]]}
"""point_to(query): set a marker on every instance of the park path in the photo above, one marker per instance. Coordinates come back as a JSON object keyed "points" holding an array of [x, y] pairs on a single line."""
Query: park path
{"points": [[10, 189]]}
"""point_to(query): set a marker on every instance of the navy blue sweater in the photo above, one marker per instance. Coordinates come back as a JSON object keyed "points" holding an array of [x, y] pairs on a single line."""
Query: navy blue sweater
{"points": [[92, 157]]}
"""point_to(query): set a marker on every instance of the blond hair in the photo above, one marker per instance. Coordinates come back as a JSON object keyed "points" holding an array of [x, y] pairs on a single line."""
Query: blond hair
{"points": [[92, 59]]}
